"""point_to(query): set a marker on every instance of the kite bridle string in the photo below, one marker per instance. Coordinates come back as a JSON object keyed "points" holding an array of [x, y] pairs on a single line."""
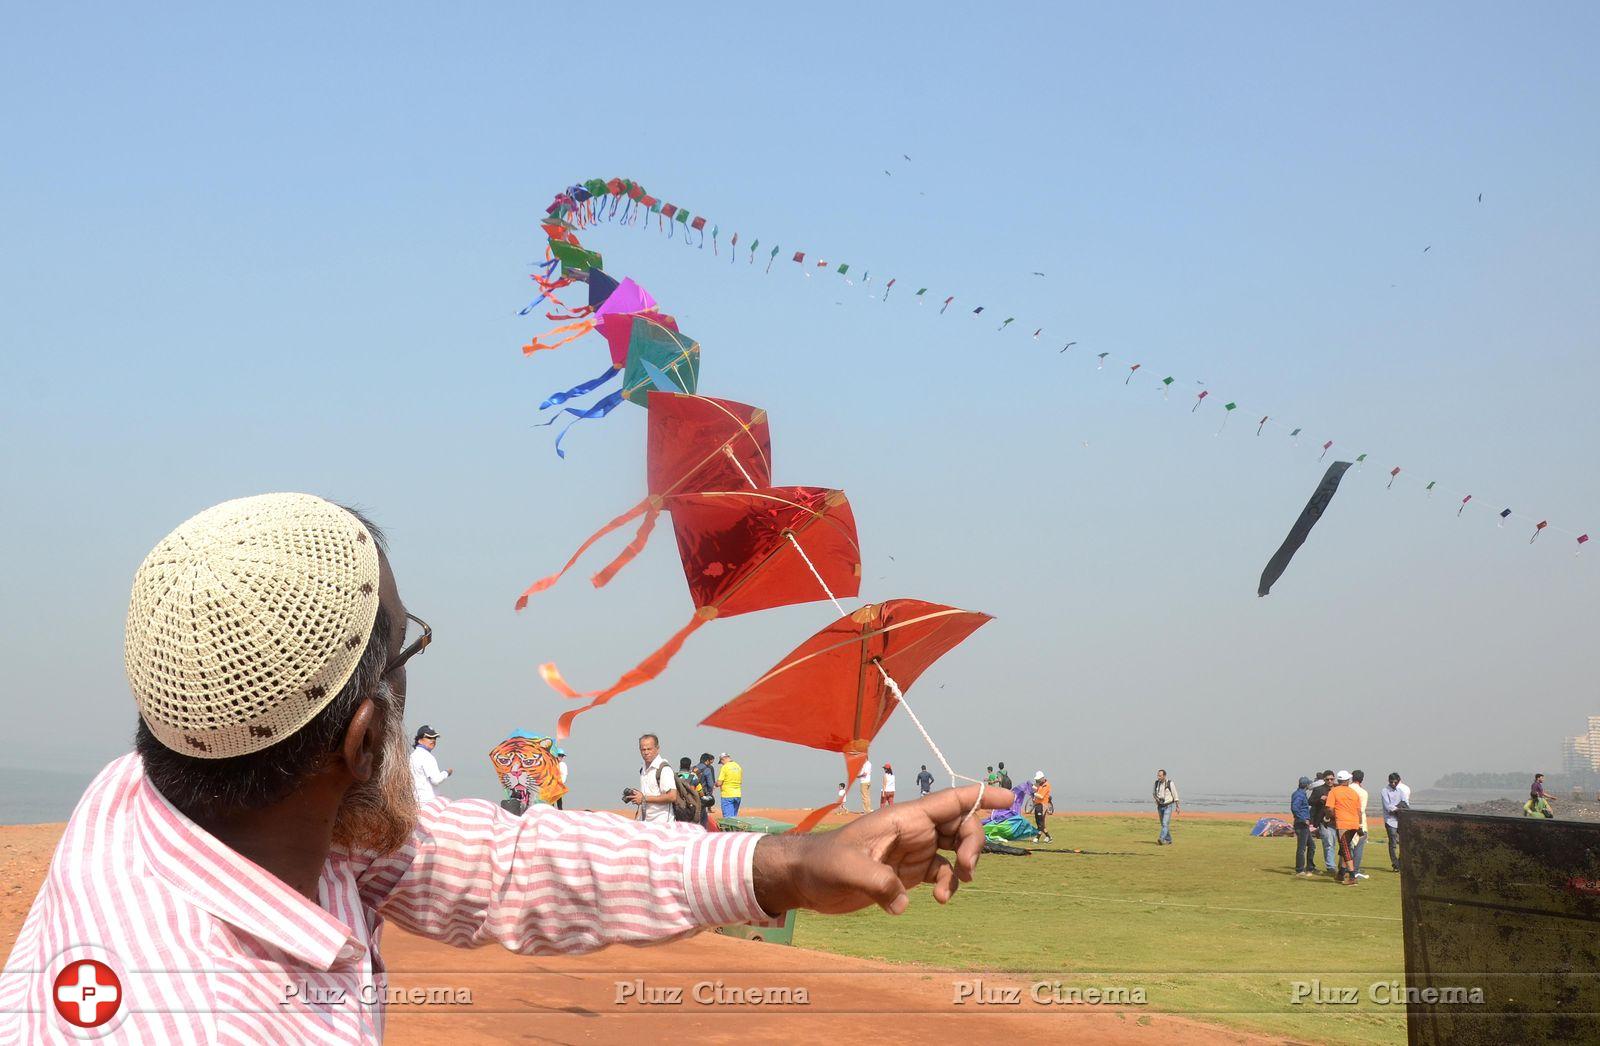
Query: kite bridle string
{"points": [[756, 486], [888, 680]]}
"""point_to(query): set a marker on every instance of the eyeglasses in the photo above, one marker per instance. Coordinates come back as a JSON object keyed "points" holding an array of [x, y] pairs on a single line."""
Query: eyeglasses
{"points": [[413, 648]]}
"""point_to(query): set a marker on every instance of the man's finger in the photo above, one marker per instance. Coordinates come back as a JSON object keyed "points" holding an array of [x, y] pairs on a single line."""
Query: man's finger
{"points": [[953, 803], [943, 878], [880, 882], [968, 849]]}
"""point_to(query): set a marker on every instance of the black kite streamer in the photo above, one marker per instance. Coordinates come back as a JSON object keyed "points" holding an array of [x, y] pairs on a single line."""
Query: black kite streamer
{"points": [[1302, 526]]}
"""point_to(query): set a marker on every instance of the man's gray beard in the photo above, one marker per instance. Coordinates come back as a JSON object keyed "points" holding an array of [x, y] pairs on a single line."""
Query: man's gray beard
{"points": [[379, 814]]}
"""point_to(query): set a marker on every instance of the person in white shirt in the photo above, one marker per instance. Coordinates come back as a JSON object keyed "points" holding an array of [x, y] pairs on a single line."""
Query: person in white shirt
{"points": [[887, 799], [864, 779], [658, 785], [425, 772], [1360, 847], [1396, 797], [561, 764]]}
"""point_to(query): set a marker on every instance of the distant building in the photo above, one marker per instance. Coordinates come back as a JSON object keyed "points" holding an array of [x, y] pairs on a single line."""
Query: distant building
{"points": [[1581, 754]]}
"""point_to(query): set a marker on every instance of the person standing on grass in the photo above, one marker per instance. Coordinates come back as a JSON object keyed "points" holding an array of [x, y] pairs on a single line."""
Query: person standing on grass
{"points": [[1041, 804], [887, 799], [1321, 823], [730, 782], [864, 780], [1356, 777], [1344, 810], [1165, 794], [924, 781], [1395, 798], [1002, 778], [991, 777], [1305, 846]]}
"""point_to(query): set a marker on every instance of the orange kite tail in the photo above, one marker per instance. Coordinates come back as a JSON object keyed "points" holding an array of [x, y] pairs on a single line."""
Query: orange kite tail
{"points": [[852, 767], [544, 583], [639, 675], [635, 546], [572, 331]]}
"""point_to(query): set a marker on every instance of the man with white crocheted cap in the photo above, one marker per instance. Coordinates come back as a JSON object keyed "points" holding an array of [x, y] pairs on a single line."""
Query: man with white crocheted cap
{"points": [[228, 879]]}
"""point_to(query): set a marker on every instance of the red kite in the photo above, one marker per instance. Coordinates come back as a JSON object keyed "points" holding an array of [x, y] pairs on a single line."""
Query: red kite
{"points": [[833, 691], [744, 551], [694, 443]]}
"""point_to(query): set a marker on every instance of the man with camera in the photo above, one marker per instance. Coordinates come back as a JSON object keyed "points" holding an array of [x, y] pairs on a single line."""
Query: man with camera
{"points": [[657, 786]]}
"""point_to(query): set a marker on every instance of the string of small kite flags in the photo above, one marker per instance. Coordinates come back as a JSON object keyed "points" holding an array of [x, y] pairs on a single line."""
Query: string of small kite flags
{"points": [[669, 216]]}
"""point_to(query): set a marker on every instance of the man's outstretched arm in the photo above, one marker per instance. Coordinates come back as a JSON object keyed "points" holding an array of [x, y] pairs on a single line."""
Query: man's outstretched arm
{"points": [[553, 883]]}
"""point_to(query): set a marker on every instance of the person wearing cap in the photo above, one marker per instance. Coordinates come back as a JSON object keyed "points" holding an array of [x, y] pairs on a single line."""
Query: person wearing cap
{"points": [[730, 782], [887, 796], [265, 826], [1041, 803], [425, 772], [561, 768], [1344, 810], [1305, 846]]}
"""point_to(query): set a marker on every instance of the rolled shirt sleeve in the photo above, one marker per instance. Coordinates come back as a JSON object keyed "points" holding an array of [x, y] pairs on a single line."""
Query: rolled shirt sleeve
{"points": [[551, 882]]}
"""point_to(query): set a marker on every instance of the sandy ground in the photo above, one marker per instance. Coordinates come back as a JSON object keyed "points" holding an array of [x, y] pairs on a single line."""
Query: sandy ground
{"points": [[594, 998]]}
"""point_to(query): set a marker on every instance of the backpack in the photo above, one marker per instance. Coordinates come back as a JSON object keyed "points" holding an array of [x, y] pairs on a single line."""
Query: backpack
{"points": [[687, 807], [1005, 780]]}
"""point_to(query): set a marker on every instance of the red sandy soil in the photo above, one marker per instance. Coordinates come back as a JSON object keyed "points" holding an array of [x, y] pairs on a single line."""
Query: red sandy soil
{"points": [[575, 999]]}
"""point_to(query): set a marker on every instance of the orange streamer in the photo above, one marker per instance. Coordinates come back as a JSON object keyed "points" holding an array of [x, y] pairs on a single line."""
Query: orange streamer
{"points": [[812, 819], [635, 546], [573, 332], [852, 770], [544, 583], [640, 674]]}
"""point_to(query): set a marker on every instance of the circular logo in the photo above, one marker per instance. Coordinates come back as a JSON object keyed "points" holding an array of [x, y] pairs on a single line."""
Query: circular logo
{"points": [[86, 993]]}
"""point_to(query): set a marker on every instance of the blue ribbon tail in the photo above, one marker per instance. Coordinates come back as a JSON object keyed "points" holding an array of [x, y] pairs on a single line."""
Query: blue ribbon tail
{"points": [[599, 410], [555, 399]]}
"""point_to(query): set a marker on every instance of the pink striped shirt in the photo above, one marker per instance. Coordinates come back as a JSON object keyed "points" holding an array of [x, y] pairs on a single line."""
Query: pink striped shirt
{"points": [[209, 947]]}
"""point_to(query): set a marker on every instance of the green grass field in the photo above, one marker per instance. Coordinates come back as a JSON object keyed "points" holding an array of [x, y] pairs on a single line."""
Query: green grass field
{"points": [[1214, 927]]}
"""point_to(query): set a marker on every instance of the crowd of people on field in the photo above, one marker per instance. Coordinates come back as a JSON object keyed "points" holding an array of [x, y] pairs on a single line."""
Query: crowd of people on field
{"points": [[1330, 814]]}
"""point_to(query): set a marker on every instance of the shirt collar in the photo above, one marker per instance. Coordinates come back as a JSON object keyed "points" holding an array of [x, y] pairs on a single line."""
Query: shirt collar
{"points": [[222, 881]]}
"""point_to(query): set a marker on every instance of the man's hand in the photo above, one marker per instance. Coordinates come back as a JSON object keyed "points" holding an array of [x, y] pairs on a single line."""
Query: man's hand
{"points": [[875, 859]]}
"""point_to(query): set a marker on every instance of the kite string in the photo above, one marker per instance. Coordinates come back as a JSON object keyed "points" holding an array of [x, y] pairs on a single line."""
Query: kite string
{"points": [[756, 486], [888, 680]]}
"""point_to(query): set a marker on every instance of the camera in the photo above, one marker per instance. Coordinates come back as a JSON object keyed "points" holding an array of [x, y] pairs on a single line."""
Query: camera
{"points": [[627, 794]]}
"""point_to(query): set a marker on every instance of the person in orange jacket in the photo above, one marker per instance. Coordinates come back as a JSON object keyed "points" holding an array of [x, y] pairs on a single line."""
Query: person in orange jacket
{"points": [[1344, 807]]}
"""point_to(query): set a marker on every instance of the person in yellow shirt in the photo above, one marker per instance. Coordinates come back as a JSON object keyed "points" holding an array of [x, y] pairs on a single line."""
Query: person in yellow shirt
{"points": [[1041, 804], [1344, 809], [730, 782]]}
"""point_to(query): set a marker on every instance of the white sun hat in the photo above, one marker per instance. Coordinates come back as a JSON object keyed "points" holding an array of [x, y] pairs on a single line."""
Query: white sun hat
{"points": [[246, 621], [1038, 775]]}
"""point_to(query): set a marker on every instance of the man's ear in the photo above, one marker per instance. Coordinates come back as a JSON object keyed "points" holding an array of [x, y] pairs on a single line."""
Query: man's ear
{"points": [[362, 739]]}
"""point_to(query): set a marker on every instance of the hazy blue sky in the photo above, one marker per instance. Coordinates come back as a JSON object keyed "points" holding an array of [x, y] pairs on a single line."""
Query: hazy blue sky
{"points": [[251, 249]]}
